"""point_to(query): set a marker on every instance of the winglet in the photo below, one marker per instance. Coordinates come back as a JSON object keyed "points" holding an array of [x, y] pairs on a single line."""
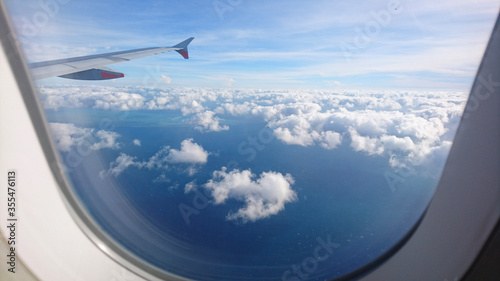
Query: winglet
{"points": [[183, 47]]}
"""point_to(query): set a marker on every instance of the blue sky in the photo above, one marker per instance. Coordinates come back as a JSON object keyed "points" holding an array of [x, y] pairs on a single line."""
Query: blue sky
{"points": [[264, 44]]}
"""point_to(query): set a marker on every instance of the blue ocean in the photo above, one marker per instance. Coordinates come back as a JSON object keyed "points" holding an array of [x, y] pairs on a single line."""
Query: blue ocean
{"points": [[351, 206]]}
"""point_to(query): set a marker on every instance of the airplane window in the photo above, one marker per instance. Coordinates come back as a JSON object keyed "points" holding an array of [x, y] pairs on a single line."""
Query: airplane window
{"points": [[253, 140]]}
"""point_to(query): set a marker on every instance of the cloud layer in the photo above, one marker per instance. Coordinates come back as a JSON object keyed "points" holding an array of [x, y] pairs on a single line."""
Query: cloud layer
{"points": [[409, 127]]}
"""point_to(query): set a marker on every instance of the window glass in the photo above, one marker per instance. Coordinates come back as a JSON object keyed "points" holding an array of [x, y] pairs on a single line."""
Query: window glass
{"points": [[301, 140]]}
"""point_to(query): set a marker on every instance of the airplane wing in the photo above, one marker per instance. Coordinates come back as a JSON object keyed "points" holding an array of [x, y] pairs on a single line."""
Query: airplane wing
{"points": [[93, 67]]}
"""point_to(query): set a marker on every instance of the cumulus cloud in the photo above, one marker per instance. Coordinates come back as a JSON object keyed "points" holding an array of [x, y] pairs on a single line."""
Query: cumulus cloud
{"points": [[365, 143], [230, 82], [166, 79], [162, 178], [262, 197], [189, 187], [207, 122], [158, 160], [120, 164], [68, 135], [330, 139], [136, 142], [192, 107], [107, 140], [190, 154], [408, 128], [235, 108]]}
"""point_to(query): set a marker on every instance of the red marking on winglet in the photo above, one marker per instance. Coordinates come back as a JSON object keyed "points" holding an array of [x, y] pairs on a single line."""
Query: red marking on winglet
{"points": [[106, 75], [184, 54]]}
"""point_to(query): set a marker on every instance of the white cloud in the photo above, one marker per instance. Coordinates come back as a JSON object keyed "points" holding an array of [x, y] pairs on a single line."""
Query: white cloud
{"points": [[158, 160], [263, 196], [120, 101], [297, 135], [235, 108], [365, 143], [330, 139], [136, 142], [107, 140], [190, 186], [120, 164], [207, 122], [68, 135], [191, 107], [394, 143], [166, 79], [190, 154], [129, 98], [162, 178]]}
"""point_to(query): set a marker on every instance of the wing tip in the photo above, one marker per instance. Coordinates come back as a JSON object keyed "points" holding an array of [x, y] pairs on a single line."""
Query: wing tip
{"points": [[184, 47], [184, 53]]}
